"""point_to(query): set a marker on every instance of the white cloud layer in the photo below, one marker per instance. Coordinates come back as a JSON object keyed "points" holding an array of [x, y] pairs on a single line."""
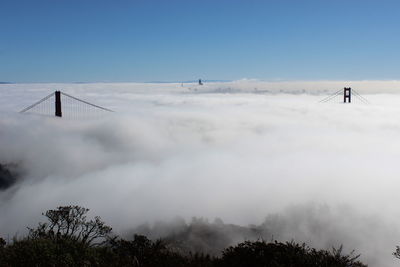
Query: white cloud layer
{"points": [[176, 151]]}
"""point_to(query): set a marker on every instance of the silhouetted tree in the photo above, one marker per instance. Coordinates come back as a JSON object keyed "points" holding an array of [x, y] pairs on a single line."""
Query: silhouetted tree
{"points": [[70, 222]]}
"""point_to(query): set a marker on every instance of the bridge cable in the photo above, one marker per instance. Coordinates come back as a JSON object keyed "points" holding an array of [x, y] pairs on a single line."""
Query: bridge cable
{"points": [[37, 103]]}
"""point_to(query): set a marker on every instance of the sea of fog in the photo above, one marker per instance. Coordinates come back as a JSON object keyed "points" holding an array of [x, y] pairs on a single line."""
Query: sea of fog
{"points": [[238, 151]]}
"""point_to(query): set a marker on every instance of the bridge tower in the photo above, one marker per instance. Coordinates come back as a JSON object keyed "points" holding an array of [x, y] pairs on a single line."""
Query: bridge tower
{"points": [[73, 107], [347, 95], [58, 112]]}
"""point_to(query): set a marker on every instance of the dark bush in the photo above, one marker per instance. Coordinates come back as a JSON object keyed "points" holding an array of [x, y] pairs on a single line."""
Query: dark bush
{"points": [[69, 239], [143, 252], [277, 254]]}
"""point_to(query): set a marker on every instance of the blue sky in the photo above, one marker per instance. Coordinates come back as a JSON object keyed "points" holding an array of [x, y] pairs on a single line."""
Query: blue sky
{"points": [[147, 40]]}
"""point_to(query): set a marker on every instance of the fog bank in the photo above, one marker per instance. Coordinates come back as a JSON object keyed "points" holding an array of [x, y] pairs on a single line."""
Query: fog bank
{"points": [[237, 155]]}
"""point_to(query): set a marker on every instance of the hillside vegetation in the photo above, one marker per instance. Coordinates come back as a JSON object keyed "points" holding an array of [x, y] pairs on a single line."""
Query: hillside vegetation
{"points": [[69, 238]]}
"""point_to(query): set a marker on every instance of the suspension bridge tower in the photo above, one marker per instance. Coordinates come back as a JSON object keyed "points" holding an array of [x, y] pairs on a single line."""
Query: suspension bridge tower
{"points": [[58, 112], [347, 95], [60, 104]]}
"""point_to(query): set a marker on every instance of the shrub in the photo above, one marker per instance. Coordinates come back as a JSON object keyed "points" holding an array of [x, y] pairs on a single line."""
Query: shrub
{"points": [[277, 254], [69, 239]]}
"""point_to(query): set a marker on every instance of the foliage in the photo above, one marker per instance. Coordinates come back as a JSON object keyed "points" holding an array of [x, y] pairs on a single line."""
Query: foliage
{"points": [[69, 239], [143, 252], [46, 252], [69, 222], [277, 254]]}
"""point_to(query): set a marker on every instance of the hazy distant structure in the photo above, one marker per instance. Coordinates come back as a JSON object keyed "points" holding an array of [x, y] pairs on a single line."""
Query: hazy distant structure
{"points": [[347, 96], [200, 82], [60, 104]]}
